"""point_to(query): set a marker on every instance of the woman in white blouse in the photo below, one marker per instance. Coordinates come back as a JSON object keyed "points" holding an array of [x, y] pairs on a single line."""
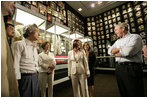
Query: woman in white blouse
{"points": [[46, 69], [78, 69]]}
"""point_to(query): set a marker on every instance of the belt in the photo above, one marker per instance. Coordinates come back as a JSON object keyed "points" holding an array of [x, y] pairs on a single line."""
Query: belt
{"points": [[128, 63], [28, 74]]}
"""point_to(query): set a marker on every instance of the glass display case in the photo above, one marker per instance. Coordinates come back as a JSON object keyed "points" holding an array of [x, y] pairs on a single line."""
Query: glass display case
{"points": [[30, 18]]}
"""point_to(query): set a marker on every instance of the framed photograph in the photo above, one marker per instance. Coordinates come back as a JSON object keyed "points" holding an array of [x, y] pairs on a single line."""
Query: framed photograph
{"points": [[64, 13], [129, 5], [35, 3], [131, 19], [118, 14], [113, 11], [114, 20], [98, 25], [144, 41], [137, 7], [101, 28], [42, 8], [58, 8], [106, 27], [98, 33], [105, 18], [138, 14], [89, 28], [49, 17], [53, 5], [132, 25], [105, 14], [145, 11], [93, 23], [106, 23], [98, 29], [89, 24], [89, 33], [124, 12], [102, 33], [123, 6], [142, 34], [110, 21], [50, 11], [130, 9], [108, 12], [141, 27], [140, 20], [93, 28], [109, 17], [102, 37], [107, 36], [107, 31], [126, 21], [101, 24], [35, 9], [117, 9], [94, 33], [94, 38], [131, 14], [118, 18], [88, 19], [125, 16], [92, 19], [144, 3], [133, 30], [100, 16], [26, 4], [29, 2]]}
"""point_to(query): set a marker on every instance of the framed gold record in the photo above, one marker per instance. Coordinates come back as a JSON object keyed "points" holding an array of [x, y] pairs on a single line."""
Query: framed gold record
{"points": [[140, 20], [88, 19]]}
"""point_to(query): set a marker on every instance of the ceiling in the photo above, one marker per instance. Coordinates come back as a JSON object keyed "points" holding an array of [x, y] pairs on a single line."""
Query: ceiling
{"points": [[99, 8]]}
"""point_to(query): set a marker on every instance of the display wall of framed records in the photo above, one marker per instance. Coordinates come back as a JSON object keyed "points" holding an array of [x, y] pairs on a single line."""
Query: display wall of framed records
{"points": [[133, 12]]}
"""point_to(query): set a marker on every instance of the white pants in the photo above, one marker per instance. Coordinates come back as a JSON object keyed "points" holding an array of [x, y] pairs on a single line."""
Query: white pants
{"points": [[79, 81], [46, 80]]}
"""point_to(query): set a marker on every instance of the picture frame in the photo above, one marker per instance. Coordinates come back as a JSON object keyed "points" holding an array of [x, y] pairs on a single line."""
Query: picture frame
{"points": [[35, 3], [35, 9], [42, 8], [49, 17]]}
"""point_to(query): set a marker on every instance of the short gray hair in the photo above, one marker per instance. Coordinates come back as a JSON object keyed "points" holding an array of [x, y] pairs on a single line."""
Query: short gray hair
{"points": [[123, 25], [29, 29]]}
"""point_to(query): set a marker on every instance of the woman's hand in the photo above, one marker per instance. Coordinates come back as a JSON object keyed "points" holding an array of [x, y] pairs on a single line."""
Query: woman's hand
{"points": [[88, 75], [51, 66], [69, 77]]}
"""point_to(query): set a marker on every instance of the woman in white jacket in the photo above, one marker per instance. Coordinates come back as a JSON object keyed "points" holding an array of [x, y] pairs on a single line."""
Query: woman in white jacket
{"points": [[46, 69], [78, 69]]}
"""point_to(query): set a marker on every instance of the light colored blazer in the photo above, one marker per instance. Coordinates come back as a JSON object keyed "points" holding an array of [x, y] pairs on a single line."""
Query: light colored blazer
{"points": [[45, 61], [77, 68]]}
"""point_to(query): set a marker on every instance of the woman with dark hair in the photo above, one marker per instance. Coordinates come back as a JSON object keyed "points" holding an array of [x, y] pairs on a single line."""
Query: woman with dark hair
{"points": [[78, 70], [91, 62], [46, 69]]}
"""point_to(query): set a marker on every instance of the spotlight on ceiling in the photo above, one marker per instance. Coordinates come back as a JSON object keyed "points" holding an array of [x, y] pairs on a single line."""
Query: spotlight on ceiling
{"points": [[80, 9], [92, 5]]}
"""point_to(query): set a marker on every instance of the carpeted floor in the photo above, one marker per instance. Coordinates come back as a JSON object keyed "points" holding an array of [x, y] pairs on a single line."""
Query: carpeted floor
{"points": [[105, 86]]}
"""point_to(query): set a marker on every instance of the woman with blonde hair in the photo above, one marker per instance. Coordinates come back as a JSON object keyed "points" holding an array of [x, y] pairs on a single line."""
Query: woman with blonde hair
{"points": [[91, 57]]}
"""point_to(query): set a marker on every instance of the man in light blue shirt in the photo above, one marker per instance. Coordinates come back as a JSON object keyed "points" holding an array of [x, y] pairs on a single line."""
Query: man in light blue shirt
{"points": [[128, 54]]}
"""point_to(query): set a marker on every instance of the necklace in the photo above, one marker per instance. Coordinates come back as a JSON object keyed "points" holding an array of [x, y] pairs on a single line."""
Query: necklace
{"points": [[75, 57]]}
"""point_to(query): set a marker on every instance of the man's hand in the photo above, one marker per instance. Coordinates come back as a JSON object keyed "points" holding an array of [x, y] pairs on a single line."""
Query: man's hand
{"points": [[116, 50]]}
